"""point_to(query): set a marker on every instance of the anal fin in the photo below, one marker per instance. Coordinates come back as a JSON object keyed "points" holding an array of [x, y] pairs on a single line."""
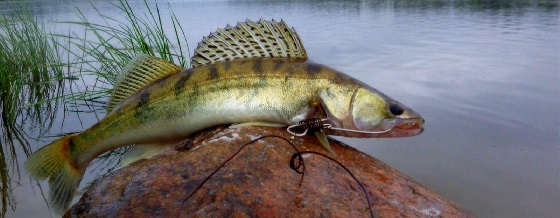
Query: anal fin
{"points": [[139, 152], [266, 124]]}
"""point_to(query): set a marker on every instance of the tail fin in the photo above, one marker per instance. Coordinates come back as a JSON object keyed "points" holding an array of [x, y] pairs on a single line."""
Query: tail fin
{"points": [[53, 162]]}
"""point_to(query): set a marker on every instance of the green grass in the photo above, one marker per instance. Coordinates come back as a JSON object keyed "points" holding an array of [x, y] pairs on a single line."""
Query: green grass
{"points": [[31, 76], [40, 70], [105, 49]]}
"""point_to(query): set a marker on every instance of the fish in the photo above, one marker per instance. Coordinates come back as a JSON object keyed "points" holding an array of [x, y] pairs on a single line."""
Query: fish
{"points": [[253, 72]]}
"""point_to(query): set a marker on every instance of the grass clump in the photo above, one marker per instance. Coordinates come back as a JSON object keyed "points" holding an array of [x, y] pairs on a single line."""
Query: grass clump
{"points": [[39, 70], [31, 74], [106, 48]]}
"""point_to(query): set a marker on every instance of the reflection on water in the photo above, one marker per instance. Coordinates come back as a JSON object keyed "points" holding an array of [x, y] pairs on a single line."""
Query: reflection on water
{"points": [[484, 74]]}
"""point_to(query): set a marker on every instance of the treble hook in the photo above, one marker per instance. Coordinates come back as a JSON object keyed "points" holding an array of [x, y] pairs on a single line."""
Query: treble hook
{"points": [[317, 123]]}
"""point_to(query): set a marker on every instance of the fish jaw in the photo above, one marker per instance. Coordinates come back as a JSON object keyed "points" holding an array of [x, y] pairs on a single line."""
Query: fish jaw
{"points": [[407, 124], [390, 128], [404, 128]]}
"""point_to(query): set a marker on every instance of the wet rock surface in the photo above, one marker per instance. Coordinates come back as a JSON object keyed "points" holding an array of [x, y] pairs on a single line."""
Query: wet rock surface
{"points": [[258, 182]]}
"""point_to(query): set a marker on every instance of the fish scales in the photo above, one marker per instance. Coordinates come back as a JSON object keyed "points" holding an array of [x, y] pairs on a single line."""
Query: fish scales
{"points": [[230, 92]]}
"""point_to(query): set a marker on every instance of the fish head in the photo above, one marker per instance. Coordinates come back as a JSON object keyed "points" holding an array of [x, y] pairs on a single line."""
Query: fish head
{"points": [[373, 114]]}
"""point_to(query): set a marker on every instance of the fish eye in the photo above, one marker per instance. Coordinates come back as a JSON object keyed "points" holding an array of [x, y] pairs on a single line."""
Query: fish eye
{"points": [[396, 109]]}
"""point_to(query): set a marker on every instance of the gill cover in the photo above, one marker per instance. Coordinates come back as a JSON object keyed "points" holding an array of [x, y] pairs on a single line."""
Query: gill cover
{"points": [[336, 103], [354, 108], [368, 109]]}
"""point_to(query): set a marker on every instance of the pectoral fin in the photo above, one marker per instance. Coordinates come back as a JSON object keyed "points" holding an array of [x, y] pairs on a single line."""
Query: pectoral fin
{"points": [[322, 137]]}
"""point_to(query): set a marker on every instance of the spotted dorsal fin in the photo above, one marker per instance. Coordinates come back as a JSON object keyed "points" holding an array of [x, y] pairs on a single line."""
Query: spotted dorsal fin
{"points": [[141, 71], [264, 39]]}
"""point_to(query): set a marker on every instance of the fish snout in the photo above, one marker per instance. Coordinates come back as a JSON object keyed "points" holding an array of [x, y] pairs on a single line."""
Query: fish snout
{"points": [[407, 122]]}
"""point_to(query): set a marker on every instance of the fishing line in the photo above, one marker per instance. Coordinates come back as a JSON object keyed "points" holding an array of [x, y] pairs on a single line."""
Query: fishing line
{"points": [[297, 164], [298, 155]]}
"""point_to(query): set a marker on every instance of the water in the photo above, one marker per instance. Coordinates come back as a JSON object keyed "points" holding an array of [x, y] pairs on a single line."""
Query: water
{"points": [[486, 77]]}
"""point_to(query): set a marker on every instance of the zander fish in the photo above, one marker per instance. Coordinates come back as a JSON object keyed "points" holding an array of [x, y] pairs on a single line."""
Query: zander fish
{"points": [[254, 72]]}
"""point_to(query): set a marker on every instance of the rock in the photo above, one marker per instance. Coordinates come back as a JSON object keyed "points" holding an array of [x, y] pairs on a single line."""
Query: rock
{"points": [[258, 182]]}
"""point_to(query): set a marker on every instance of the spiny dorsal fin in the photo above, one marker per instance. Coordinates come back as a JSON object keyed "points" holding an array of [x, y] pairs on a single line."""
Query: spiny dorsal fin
{"points": [[141, 71], [247, 40]]}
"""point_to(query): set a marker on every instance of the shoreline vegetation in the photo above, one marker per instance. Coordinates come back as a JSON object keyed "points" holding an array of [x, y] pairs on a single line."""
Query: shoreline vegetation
{"points": [[31, 70], [43, 72]]}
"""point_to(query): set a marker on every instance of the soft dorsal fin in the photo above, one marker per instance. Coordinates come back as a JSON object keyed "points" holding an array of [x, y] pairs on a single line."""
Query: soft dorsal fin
{"points": [[141, 71], [247, 40]]}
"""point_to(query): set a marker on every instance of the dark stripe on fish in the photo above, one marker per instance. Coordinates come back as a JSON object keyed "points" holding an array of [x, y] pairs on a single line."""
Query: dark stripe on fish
{"points": [[213, 74], [257, 66], [227, 65], [162, 81], [144, 99], [141, 113], [313, 68], [181, 83], [71, 145], [278, 65]]}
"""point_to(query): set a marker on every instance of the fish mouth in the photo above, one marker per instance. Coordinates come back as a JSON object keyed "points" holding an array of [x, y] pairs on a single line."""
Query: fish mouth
{"points": [[389, 128], [406, 124], [405, 128]]}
